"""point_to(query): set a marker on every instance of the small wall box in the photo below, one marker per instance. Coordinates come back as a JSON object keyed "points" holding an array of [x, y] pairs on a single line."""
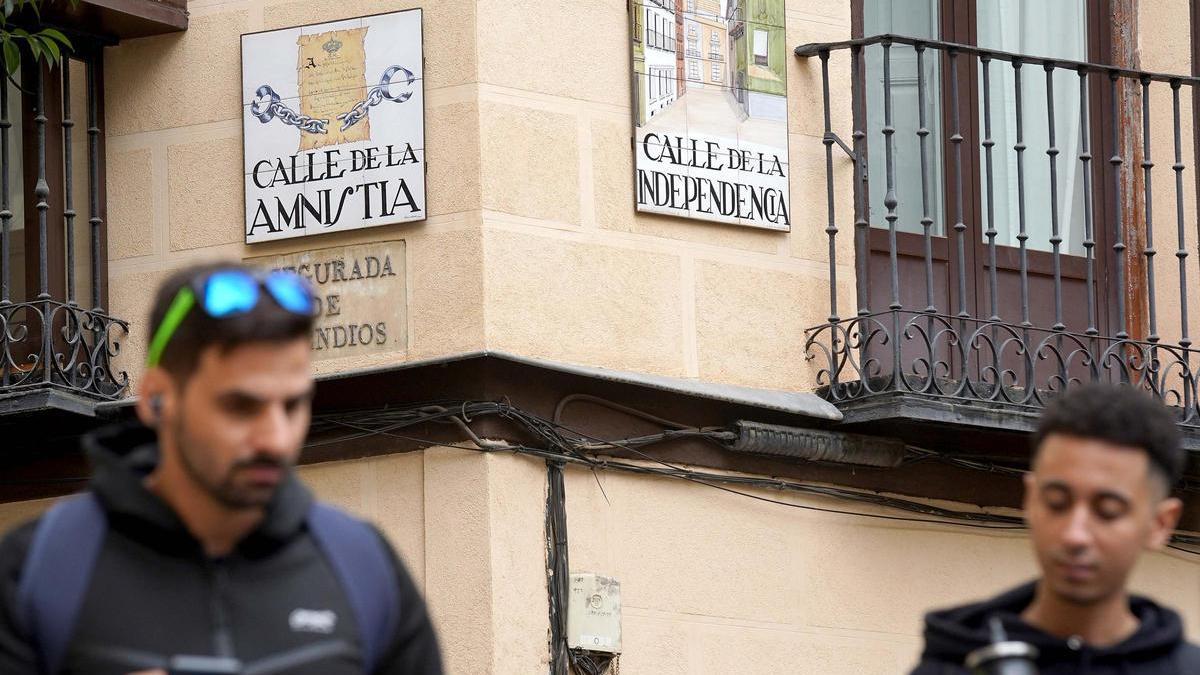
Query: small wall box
{"points": [[594, 614]]}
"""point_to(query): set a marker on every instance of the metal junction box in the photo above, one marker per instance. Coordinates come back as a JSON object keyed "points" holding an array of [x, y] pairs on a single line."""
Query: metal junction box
{"points": [[594, 614]]}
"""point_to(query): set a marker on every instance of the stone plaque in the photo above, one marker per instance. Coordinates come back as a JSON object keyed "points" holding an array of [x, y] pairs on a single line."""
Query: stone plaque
{"points": [[362, 296]]}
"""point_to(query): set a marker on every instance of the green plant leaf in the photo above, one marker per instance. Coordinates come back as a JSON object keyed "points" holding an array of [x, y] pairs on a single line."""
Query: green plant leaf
{"points": [[12, 57], [55, 34], [51, 47]]}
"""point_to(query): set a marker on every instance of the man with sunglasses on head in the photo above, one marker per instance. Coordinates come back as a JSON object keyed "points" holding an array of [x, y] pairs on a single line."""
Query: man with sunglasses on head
{"points": [[196, 550]]}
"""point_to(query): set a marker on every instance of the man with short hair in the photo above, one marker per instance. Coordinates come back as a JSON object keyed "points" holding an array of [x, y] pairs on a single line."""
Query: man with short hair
{"points": [[202, 552], [1098, 495]]}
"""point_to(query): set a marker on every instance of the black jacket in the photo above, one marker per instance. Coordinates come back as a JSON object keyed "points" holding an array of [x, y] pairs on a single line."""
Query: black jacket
{"points": [[1157, 648], [154, 592]]}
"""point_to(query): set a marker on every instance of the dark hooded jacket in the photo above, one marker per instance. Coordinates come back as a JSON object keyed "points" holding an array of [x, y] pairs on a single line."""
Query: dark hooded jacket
{"points": [[154, 593], [1156, 648]]}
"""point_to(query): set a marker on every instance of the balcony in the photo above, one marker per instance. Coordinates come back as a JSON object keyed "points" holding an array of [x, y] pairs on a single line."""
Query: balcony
{"points": [[57, 340], [1018, 226], [116, 19]]}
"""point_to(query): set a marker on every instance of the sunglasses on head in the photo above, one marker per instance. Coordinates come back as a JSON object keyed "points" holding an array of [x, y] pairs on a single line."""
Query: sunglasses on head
{"points": [[227, 293]]}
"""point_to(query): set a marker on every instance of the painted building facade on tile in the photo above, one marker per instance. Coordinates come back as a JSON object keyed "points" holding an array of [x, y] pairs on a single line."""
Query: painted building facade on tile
{"points": [[706, 36], [758, 51], [660, 46]]}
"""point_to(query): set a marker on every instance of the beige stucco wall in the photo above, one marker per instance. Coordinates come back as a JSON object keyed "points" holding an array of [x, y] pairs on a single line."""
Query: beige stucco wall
{"points": [[532, 244], [470, 527], [711, 583], [611, 287], [1163, 36], [720, 583]]}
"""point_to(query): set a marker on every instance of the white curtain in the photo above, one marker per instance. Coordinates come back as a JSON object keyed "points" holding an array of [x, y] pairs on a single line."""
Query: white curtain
{"points": [[1056, 29], [914, 18]]}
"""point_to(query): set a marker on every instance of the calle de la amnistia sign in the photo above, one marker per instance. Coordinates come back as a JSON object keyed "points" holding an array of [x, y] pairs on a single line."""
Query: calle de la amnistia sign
{"points": [[333, 126]]}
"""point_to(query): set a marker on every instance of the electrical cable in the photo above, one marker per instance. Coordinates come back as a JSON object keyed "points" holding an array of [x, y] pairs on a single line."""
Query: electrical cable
{"points": [[570, 446], [918, 455], [710, 480], [558, 575], [590, 663], [558, 409], [949, 517]]}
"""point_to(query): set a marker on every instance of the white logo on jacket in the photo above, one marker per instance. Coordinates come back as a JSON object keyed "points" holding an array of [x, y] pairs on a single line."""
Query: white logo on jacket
{"points": [[312, 620]]}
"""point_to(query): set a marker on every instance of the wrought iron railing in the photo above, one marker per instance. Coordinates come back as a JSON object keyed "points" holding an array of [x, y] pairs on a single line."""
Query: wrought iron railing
{"points": [[49, 338], [914, 335]]}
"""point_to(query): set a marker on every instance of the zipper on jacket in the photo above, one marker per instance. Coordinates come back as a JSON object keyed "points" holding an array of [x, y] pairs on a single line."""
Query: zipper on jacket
{"points": [[218, 578]]}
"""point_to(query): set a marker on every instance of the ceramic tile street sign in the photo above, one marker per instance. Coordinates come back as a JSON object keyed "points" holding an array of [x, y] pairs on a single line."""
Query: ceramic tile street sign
{"points": [[333, 126], [710, 110]]}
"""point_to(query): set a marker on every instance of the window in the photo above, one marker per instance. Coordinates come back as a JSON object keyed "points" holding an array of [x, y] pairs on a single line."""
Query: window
{"points": [[761, 49], [691, 5], [22, 267], [70, 281], [654, 38], [716, 72], [1059, 30], [693, 70]]}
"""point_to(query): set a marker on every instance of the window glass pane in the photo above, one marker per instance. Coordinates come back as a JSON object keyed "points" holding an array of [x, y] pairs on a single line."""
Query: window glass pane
{"points": [[915, 19], [79, 184], [16, 203], [760, 47], [1038, 28]]}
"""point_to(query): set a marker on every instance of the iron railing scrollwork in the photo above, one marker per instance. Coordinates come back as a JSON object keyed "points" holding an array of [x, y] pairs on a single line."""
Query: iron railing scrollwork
{"points": [[77, 348], [1011, 364], [916, 334], [48, 338]]}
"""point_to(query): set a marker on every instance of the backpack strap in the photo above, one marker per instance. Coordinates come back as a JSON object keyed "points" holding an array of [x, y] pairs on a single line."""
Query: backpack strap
{"points": [[57, 573], [363, 566]]}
